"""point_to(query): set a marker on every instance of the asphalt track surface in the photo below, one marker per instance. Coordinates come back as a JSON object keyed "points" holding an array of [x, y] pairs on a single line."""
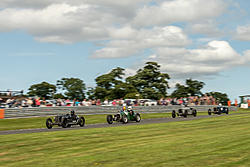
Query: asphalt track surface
{"points": [[115, 124]]}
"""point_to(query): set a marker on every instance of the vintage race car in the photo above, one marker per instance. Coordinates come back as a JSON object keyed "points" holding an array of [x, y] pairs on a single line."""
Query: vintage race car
{"points": [[184, 112], [124, 116], [66, 120], [218, 110]]}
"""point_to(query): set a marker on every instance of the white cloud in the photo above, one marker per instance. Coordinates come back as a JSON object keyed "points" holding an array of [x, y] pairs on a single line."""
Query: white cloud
{"points": [[130, 28], [179, 11], [215, 57], [207, 27], [137, 41], [243, 33]]}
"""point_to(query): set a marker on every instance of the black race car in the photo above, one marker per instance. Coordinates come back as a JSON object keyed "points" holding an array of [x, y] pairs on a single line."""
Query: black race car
{"points": [[184, 112], [218, 110], [66, 120]]}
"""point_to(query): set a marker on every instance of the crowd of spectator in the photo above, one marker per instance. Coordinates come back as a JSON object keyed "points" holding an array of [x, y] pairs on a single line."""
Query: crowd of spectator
{"points": [[37, 102], [192, 100]]}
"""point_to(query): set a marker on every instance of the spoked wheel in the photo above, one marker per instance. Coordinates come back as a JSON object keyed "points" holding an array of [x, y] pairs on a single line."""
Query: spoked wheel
{"points": [[185, 114], [194, 113], [49, 123], [173, 114], [209, 112], [109, 119], [82, 121], [124, 119], [64, 124], [137, 117]]}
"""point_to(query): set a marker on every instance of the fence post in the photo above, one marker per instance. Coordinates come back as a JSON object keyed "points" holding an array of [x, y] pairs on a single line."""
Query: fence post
{"points": [[1, 113]]}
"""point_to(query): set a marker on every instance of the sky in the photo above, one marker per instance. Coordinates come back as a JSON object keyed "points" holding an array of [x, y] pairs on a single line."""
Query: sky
{"points": [[46, 40]]}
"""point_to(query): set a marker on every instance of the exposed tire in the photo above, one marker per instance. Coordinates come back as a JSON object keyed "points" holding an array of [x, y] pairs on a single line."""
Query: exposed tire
{"points": [[173, 114], [64, 124], [109, 119], [82, 121], [194, 113], [185, 114], [227, 111], [137, 117], [209, 112], [124, 119], [49, 123]]}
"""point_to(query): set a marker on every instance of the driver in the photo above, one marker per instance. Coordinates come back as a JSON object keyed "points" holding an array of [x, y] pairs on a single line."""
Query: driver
{"points": [[72, 114], [123, 109], [130, 110]]}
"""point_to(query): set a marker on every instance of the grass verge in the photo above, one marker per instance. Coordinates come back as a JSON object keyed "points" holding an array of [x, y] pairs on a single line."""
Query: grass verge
{"points": [[214, 141]]}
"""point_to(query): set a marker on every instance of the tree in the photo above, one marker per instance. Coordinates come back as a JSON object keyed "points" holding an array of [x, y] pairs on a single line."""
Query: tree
{"points": [[150, 82], [181, 91], [194, 87], [59, 96], [110, 85], [220, 97], [74, 88], [90, 93], [191, 88], [44, 90]]}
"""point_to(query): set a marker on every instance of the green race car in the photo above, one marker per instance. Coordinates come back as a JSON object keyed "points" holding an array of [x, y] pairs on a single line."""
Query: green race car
{"points": [[124, 116]]}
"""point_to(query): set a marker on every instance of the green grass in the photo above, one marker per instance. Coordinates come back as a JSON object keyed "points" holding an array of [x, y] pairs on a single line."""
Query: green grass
{"points": [[39, 122], [215, 141]]}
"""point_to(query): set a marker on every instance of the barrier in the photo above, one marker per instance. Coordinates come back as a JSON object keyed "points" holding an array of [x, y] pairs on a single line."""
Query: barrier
{"points": [[1, 113], [48, 111]]}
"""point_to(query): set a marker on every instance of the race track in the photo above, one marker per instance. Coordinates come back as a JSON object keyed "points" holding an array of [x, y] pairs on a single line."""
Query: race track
{"points": [[104, 125]]}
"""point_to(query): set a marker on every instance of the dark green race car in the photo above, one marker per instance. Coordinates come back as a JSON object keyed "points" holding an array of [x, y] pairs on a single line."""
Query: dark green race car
{"points": [[124, 116]]}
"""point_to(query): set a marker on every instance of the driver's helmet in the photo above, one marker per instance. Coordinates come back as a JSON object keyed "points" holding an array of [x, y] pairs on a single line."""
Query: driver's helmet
{"points": [[129, 107], [72, 112], [124, 108]]}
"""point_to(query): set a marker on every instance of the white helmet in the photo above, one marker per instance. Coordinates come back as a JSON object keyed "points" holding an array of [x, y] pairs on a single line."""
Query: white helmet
{"points": [[129, 107]]}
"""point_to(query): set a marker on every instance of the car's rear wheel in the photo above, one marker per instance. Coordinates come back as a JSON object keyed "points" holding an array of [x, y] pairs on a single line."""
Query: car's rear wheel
{"points": [[137, 117], [109, 119], [173, 114], [82, 121], [125, 119], [49, 123]]}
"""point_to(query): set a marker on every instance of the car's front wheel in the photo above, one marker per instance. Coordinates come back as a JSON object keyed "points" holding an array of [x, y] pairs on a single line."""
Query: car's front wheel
{"points": [[194, 113], [82, 121], [137, 117], [49, 123], [209, 112], [173, 114], [125, 119]]}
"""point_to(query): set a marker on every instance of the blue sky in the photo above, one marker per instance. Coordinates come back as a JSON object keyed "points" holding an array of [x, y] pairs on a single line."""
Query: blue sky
{"points": [[51, 39]]}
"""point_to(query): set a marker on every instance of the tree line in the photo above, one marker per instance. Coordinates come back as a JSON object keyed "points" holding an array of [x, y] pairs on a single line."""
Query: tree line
{"points": [[148, 83]]}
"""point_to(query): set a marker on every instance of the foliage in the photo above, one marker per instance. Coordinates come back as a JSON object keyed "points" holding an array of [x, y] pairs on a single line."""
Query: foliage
{"points": [[150, 82], [74, 87], [90, 93], [59, 96], [111, 86], [220, 97], [44, 90], [191, 88]]}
